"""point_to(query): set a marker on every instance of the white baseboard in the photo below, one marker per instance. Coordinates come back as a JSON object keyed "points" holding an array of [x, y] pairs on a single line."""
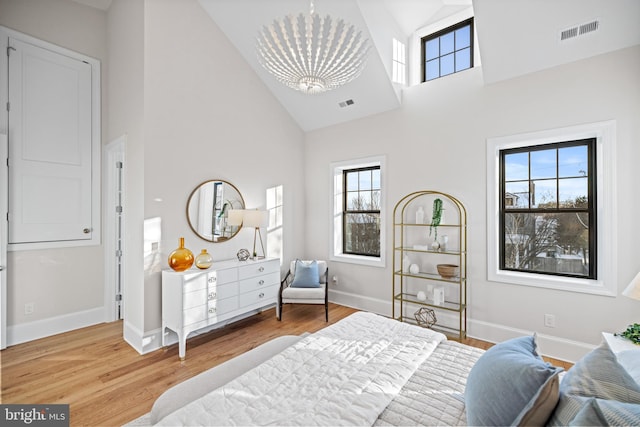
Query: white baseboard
{"points": [[143, 343], [25, 332], [555, 347], [550, 346]]}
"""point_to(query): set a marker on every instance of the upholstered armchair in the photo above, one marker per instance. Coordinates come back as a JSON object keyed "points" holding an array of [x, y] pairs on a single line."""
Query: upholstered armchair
{"points": [[306, 282]]}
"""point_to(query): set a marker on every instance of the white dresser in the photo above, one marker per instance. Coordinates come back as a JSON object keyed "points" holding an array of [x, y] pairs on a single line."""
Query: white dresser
{"points": [[196, 299]]}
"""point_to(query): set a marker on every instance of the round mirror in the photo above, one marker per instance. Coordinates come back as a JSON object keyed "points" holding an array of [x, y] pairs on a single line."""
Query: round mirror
{"points": [[208, 210]]}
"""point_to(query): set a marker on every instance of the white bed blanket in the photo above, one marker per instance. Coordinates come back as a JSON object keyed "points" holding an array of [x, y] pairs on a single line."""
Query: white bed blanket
{"points": [[345, 374]]}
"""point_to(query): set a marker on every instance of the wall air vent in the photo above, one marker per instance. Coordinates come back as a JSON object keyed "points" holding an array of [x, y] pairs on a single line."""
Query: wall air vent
{"points": [[579, 30], [346, 103]]}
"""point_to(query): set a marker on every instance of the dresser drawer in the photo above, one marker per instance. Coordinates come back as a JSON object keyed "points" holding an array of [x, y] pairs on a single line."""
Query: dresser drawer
{"points": [[216, 291], [201, 280], [256, 269], [261, 296], [259, 282], [209, 311]]}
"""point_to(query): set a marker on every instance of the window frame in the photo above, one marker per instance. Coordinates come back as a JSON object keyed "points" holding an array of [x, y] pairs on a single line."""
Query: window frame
{"points": [[606, 208], [590, 210], [346, 211], [336, 252], [451, 29]]}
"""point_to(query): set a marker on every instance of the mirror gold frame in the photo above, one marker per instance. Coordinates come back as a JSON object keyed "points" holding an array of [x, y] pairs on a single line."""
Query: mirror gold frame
{"points": [[208, 210]]}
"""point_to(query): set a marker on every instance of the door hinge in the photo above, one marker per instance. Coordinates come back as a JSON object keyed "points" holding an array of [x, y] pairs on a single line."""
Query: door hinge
{"points": [[118, 253], [118, 209], [119, 297], [119, 165]]}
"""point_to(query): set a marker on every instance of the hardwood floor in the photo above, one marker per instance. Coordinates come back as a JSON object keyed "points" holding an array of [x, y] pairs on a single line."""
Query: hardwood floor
{"points": [[107, 383]]}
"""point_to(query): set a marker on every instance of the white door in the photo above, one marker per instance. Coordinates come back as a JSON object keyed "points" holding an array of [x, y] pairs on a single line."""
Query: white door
{"points": [[4, 188], [50, 153]]}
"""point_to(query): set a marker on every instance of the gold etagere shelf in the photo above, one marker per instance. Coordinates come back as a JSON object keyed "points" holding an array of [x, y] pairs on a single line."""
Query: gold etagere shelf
{"points": [[415, 280]]}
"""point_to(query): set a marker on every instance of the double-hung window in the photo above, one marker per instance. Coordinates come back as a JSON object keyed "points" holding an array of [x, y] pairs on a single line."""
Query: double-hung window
{"points": [[361, 216], [548, 209]]}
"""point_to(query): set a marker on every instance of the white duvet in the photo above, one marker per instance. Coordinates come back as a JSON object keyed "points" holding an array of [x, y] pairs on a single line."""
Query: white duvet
{"points": [[345, 374]]}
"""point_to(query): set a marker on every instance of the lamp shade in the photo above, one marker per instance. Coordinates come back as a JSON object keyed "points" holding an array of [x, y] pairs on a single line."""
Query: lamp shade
{"points": [[235, 216], [633, 289], [256, 218]]}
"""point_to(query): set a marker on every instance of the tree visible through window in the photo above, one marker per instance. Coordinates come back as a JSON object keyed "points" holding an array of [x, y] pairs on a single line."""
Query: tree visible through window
{"points": [[361, 216], [548, 209]]}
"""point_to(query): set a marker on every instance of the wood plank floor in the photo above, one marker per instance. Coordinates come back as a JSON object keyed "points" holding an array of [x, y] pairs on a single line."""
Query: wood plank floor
{"points": [[107, 383]]}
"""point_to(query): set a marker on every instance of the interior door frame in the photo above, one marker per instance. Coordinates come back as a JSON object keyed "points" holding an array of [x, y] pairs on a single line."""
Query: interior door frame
{"points": [[4, 230], [113, 152]]}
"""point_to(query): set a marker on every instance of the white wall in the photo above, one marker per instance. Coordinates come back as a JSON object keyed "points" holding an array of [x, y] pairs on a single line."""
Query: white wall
{"points": [[208, 116], [62, 283], [437, 140]]}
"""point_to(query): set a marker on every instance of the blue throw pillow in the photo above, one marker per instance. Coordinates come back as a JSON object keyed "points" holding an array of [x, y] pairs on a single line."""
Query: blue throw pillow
{"points": [[599, 376], [511, 384], [305, 275]]}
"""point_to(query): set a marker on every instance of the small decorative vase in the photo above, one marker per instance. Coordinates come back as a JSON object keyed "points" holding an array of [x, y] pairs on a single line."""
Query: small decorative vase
{"points": [[420, 215], [444, 241], [414, 269], [204, 260], [182, 258], [406, 262], [421, 296]]}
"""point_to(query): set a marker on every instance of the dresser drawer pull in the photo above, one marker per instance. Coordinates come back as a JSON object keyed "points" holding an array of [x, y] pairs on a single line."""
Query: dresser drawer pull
{"points": [[261, 295], [212, 279], [261, 269], [212, 310], [261, 282], [211, 296]]}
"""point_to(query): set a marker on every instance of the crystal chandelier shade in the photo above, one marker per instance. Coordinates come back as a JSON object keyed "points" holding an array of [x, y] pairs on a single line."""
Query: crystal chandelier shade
{"points": [[312, 54]]}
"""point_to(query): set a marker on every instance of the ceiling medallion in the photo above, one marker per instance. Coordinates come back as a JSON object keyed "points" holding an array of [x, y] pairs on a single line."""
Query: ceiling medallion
{"points": [[312, 54]]}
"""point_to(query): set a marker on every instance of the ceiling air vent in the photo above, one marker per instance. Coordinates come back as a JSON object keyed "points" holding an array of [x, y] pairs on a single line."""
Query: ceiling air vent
{"points": [[579, 30], [346, 103]]}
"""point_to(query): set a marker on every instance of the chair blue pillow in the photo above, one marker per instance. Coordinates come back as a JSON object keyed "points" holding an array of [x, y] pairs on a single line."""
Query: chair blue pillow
{"points": [[305, 275], [511, 384]]}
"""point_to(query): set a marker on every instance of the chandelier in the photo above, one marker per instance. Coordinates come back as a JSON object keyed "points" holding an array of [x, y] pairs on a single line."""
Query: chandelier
{"points": [[312, 54]]}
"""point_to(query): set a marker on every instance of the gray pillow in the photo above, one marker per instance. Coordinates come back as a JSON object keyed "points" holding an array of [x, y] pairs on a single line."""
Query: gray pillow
{"points": [[306, 275], [598, 375], [600, 412], [510, 384]]}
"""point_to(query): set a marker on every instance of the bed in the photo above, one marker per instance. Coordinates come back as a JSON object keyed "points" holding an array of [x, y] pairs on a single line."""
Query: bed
{"points": [[371, 370]]}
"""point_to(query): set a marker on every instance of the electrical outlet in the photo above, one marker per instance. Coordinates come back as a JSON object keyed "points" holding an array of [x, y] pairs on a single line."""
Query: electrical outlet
{"points": [[550, 320], [29, 308], [335, 280]]}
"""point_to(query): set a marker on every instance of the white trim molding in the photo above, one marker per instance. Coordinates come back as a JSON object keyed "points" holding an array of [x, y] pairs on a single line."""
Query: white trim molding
{"points": [[24, 332], [606, 282]]}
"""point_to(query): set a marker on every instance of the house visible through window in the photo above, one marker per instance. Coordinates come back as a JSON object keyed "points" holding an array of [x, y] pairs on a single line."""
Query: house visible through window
{"points": [[448, 51], [548, 209], [361, 216]]}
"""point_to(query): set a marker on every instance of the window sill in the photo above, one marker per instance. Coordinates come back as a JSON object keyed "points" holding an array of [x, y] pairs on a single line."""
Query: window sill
{"points": [[357, 259], [570, 284]]}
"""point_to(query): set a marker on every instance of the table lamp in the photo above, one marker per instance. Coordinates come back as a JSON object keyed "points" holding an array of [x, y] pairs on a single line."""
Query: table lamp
{"points": [[256, 219]]}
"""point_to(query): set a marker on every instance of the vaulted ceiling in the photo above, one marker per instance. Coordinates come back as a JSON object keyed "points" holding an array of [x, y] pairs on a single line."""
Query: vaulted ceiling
{"points": [[515, 37]]}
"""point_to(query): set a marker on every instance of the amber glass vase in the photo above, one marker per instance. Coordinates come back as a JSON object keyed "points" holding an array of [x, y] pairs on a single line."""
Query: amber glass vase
{"points": [[182, 258], [204, 260]]}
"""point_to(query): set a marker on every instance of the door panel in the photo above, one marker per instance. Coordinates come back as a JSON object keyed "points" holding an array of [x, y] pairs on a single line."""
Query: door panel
{"points": [[50, 145]]}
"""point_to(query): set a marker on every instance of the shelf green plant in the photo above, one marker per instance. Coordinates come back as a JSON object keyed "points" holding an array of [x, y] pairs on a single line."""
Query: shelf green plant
{"points": [[436, 217], [632, 333]]}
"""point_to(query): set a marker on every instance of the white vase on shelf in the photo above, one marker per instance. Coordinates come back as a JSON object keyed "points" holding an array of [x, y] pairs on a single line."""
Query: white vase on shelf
{"points": [[420, 215], [406, 262], [444, 242]]}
